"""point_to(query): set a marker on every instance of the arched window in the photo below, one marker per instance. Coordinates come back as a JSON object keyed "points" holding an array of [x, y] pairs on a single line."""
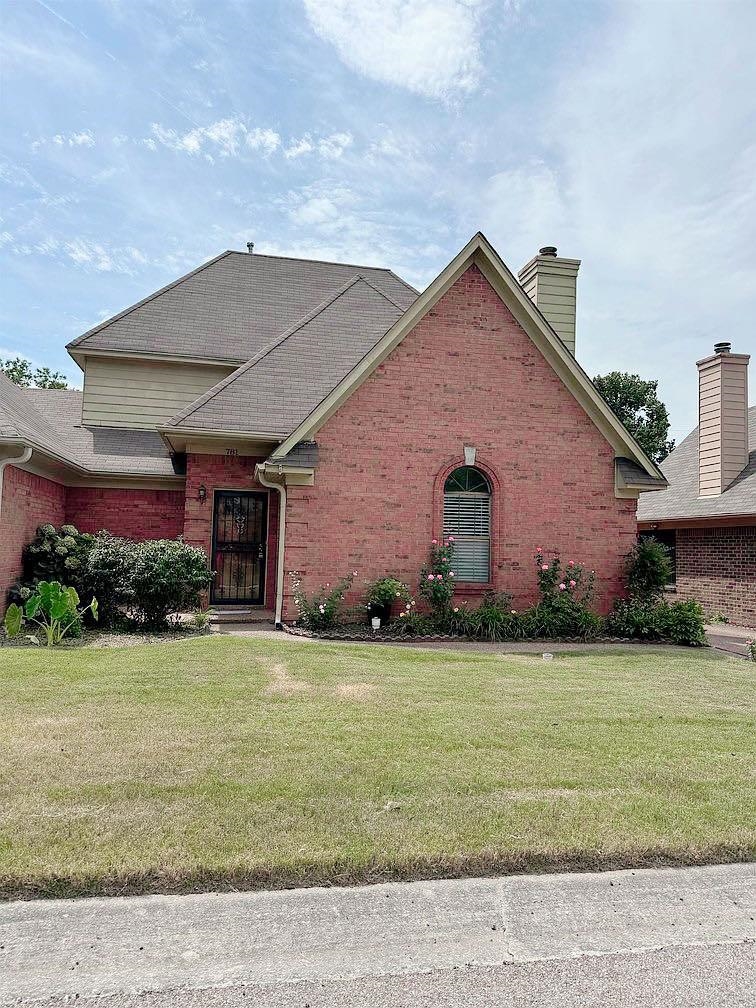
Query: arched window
{"points": [[467, 517]]}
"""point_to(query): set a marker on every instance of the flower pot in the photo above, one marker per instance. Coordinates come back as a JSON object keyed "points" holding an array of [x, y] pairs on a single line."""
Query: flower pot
{"points": [[380, 609]]}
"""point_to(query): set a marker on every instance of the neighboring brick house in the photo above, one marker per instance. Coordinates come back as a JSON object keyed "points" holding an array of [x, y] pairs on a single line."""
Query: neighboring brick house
{"points": [[291, 414], [708, 514]]}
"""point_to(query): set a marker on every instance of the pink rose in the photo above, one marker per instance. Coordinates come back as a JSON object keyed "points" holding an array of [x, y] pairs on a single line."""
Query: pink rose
{"points": [[434, 542], [562, 586], [571, 563], [544, 566], [572, 584], [439, 577], [430, 577], [451, 573], [451, 538]]}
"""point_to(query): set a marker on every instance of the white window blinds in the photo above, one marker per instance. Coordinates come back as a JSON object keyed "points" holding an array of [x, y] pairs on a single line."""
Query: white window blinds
{"points": [[467, 517]]}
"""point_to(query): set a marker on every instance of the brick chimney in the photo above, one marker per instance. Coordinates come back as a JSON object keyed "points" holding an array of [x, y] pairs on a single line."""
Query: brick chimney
{"points": [[722, 419], [551, 283]]}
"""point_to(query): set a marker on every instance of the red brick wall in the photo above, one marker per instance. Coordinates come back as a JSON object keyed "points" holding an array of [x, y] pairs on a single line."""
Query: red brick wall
{"points": [[220, 472], [717, 567], [466, 375], [28, 501], [135, 514]]}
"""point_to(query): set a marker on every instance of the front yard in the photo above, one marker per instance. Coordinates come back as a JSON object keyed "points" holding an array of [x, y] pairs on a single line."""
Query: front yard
{"points": [[229, 762]]}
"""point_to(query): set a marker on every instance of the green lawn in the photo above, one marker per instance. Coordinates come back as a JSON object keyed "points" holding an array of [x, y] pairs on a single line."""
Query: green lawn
{"points": [[226, 762]]}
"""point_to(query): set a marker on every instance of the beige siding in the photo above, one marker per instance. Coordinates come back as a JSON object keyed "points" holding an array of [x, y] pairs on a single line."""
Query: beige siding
{"points": [[120, 392], [552, 284], [723, 421]]}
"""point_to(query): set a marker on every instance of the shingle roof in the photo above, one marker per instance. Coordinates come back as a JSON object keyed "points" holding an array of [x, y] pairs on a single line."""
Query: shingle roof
{"points": [[51, 420], [279, 388], [232, 307], [20, 420], [634, 475], [682, 500]]}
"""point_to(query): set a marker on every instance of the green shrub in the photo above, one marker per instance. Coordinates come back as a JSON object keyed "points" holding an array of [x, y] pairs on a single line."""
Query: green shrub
{"points": [[325, 610], [166, 578], [493, 620], [649, 569], [385, 592], [411, 623], [55, 554], [52, 608], [107, 575], [566, 595], [437, 579], [658, 620]]}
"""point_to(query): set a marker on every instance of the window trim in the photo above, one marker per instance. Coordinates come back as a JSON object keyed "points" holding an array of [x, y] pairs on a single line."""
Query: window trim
{"points": [[457, 462]]}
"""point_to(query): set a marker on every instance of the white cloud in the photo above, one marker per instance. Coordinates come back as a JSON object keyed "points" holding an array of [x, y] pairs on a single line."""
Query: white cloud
{"points": [[431, 47], [651, 181], [265, 140], [317, 210], [99, 257], [297, 148], [222, 138], [84, 138], [333, 146], [526, 204]]}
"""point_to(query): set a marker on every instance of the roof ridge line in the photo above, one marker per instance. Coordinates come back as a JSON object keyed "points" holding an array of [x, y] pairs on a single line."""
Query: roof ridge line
{"points": [[243, 368], [325, 262], [382, 293], [146, 300]]}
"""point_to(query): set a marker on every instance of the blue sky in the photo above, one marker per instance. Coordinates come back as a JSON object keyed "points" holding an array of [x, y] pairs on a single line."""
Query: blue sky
{"points": [[139, 138]]}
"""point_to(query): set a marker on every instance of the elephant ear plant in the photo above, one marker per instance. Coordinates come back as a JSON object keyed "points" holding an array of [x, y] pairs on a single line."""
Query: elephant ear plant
{"points": [[52, 609]]}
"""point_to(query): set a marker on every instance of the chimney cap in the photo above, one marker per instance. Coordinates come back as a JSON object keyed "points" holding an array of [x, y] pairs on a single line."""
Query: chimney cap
{"points": [[724, 347], [250, 247], [548, 250]]}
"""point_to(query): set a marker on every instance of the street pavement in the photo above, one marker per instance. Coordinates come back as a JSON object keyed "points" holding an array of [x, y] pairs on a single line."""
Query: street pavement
{"points": [[644, 938]]}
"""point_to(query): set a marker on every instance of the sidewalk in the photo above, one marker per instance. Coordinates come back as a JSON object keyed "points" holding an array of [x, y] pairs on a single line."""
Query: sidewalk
{"points": [[730, 638], [129, 945]]}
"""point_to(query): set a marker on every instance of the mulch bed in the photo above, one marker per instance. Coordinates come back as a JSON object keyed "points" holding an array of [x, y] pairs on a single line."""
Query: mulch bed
{"points": [[360, 633]]}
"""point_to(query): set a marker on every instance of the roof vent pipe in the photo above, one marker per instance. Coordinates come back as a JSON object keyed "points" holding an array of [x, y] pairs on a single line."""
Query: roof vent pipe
{"points": [[548, 250], [722, 347], [250, 247]]}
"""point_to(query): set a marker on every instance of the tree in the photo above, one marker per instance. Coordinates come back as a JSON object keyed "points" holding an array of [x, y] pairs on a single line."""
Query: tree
{"points": [[638, 406], [20, 371]]}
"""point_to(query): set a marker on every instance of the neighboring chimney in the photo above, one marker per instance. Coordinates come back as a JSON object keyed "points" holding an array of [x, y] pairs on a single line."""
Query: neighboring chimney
{"points": [[551, 281], [250, 247], [722, 419]]}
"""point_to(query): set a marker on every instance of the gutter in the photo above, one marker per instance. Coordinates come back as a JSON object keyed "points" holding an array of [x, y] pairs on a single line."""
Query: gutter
{"points": [[25, 455], [281, 488]]}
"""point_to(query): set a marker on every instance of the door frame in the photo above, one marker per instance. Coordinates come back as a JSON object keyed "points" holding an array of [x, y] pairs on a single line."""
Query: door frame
{"points": [[242, 492]]}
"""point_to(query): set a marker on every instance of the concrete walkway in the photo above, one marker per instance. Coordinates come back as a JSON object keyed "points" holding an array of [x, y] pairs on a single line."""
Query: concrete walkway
{"points": [[275, 941], [730, 639]]}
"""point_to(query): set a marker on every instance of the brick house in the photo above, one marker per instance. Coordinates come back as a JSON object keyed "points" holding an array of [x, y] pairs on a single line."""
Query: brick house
{"points": [[291, 414], [708, 513]]}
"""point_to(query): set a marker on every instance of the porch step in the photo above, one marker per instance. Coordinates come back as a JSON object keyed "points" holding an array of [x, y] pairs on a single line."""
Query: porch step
{"points": [[240, 614]]}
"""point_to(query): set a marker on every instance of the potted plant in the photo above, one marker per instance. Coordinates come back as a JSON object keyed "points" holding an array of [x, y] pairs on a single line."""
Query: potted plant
{"points": [[381, 595]]}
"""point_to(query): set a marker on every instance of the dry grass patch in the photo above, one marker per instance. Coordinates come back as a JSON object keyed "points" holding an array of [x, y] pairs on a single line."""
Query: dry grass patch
{"points": [[230, 762]]}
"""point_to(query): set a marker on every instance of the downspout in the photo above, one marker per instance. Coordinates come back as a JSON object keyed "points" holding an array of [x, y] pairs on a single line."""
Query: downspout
{"points": [[25, 455], [281, 488]]}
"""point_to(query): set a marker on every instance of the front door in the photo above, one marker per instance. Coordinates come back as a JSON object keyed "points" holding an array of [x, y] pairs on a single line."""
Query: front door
{"points": [[240, 528]]}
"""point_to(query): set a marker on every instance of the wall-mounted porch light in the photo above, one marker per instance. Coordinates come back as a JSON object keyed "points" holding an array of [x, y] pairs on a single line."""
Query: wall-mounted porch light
{"points": [[202, 492]]}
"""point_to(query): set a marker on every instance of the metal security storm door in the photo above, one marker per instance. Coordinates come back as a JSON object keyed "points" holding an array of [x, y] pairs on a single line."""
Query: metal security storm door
{"points": [[240, 529]]}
